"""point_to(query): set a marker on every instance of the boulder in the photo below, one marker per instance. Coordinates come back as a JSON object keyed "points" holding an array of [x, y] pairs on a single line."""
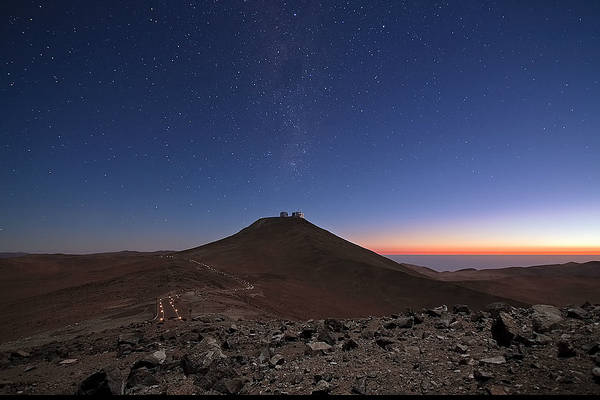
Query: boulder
{"points": [[139, 378], [565, 349], [496, 308], [384, 342], [100, 383], [349, 344], [545, 317], [504, 329], [461, 309], [405, 322], [333, 325], [482, 375], [277, 359], [494, 360], [461, 348], [577, 313], [324, 335], [314, 348]]}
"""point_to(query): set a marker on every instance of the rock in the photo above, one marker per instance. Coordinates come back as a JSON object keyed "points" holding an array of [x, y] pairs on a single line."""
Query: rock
{"points": [[160, 355], [577, 313], [482, 375], [349, 344], [29, 368], [139, 378], [333, 325], [496, 308], [325, 336], [504, 329], [545, 317], [596, 374], [68, 361], [461, 309], [591, 348], [321, 388], [542, 339], [384, 342], [233, 386], [415, 350], [460, 348], [147, 362], [494, 360], [314, 348], [232, 329], [444, 321], [565, 349], [587, 306], [390, 325], [277, 359], [437, 311], [100, 383], [497, 390], [480, 316], [19, 354], [265, 354], [306, 333], [405, 322]]}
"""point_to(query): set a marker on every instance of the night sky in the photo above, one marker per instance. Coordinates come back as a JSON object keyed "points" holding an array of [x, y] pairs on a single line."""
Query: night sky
{"points": [[404, 126]]}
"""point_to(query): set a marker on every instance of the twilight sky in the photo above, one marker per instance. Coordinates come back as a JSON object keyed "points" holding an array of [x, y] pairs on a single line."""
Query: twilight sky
{"points": [[404, 126]]}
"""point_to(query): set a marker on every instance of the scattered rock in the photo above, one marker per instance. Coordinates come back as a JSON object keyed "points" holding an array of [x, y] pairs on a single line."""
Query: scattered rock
{"points": [[504, 329], [577, 313], [100, 383], [545, 317], [482, 375], [277, 359], [460, 348], [333, 325], [314, 348], [461, 309], [565, 349], [349, 344], [494, 360], [496, 308]]}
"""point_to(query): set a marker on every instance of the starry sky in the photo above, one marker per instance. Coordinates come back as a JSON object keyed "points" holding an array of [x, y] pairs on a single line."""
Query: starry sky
{"points": [[409, 127]]}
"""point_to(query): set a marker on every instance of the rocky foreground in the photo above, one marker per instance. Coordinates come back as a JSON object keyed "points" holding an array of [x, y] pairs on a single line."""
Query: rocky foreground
{"points": [[502, 350]]}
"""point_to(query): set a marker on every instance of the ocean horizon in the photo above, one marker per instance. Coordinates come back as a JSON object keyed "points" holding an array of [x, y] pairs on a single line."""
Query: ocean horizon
{"points": [[455, 262]]}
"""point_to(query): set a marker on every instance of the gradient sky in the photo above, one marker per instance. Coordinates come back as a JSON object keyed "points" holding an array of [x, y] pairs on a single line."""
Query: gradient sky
{"points": [[404, 126]]}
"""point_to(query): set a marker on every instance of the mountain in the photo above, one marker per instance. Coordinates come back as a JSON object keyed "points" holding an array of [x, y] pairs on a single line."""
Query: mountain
{"points": [[559, 284], [305, 271]]}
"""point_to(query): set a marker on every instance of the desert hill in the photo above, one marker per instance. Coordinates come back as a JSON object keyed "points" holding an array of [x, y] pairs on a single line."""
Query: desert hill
{"points": [[307, 272], [559, 284]]}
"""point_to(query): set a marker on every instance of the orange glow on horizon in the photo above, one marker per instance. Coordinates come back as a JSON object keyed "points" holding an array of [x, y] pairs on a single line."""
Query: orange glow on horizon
{"points": [[488, 251]]}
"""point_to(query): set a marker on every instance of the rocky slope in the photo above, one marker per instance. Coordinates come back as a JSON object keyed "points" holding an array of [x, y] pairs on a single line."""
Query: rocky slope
{"points": [[534, 350]]}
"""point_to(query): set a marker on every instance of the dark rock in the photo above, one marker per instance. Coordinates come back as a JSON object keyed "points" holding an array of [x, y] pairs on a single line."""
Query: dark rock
{"points": [[437, 311], [480, 316], [591, 348], [233, 386], [587, 306], [565, 349], [333, 325], [147, 362], [577, 313], [322, 387], [277, 359], [444, 321], [460, 348], [100, 383], [139, 378], [384, 342], [307, 333], [504, 329], [349, 344], [496, 308], [482, 375], [390, 325], [325, 336], [596, 374], [461, 309]]}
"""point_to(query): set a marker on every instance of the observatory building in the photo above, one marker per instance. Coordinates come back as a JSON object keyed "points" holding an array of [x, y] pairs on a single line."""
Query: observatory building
{"points": [[295, 214]]}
